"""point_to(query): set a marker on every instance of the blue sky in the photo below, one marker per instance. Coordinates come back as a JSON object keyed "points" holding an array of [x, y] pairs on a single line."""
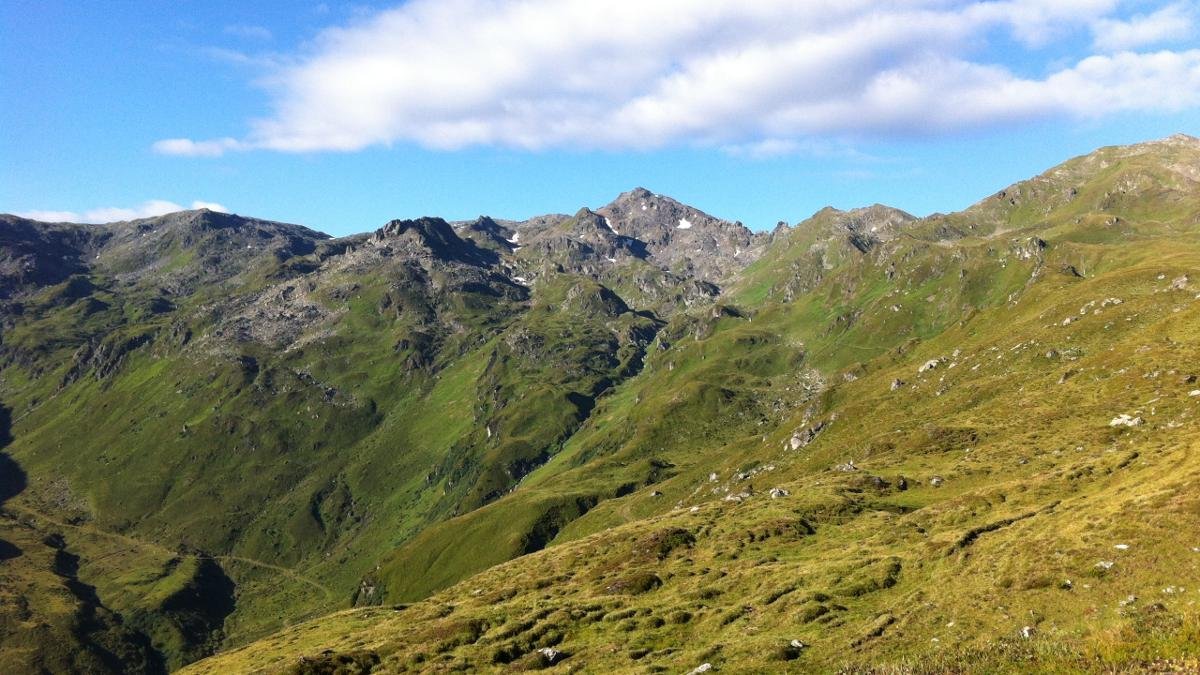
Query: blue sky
{"points": [[342, 117]]}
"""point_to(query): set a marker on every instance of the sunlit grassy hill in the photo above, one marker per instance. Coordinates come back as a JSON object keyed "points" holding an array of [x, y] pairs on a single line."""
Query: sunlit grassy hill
{"points": [[961, 442]]}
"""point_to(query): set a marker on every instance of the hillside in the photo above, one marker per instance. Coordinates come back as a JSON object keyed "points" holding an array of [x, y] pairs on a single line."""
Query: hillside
{"points": [[638, 438]]}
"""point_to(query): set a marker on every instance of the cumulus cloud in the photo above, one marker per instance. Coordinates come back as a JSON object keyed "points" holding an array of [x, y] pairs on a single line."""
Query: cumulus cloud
{"points": [[1171, 23], [752, 77], [110, 214]]}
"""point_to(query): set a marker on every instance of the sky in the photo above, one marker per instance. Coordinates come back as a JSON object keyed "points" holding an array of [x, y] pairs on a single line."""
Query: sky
{"points": [[344, 116]]}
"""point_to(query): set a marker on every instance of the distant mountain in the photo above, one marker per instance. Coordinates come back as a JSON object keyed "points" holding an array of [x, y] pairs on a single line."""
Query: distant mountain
{"points": [[634, 438]]}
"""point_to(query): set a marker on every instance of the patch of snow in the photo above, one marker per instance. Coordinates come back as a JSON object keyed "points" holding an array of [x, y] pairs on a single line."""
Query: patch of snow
{"points": [[643, 206], [521, 280], [515, 238], [684, 224], [611, 260]]}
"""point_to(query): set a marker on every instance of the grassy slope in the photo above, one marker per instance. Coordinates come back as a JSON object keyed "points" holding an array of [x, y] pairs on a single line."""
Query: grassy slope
{"points": [[1038, 489], [247, 458], [1037, 485]]}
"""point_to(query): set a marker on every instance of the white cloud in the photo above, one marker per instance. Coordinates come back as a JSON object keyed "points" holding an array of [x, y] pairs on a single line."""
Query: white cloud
{"points": [[211, 206], [184, 147], [51, 216], [1171, 23], [110, 214], [751, 77]]}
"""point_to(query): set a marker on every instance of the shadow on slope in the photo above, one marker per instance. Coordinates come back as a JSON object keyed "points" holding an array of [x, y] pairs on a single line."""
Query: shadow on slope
{"points": [[12, 476]]}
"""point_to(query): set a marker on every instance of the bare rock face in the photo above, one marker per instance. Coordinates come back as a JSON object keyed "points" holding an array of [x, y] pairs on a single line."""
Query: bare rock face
{"points": [[430, 238], [184, 251], [35, 254], [683, 239]]}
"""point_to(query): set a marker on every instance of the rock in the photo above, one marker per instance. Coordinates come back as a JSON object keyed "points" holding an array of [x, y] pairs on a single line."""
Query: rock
{"points": [[702, 668], [930, 365], [550, 655], [791, 651], [1028, 632], [777, 492], [937, 481], [712, 477], [1194, 392], [1124, 420], [1129, 600], [655, 493], [1179, 283], [847, 467], [1105, 565], [1122, 547], [897, 383], [802, 438]]}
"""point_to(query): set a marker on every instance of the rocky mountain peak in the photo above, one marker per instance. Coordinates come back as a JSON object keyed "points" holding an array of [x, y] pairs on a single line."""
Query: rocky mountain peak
{"points": [[488, 233], [429, 237], [681, 237]]}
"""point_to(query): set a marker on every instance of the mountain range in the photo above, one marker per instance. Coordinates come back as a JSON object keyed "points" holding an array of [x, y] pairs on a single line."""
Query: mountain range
{"points": [[638, 438]]}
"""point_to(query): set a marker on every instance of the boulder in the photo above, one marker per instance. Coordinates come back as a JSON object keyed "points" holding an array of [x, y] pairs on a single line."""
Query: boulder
{"points": [[1124, 420], [929, 365]]}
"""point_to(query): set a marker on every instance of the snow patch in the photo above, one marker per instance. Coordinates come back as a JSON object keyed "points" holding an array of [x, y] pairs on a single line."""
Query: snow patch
{"points": [[684, 224], [515, 238]]}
